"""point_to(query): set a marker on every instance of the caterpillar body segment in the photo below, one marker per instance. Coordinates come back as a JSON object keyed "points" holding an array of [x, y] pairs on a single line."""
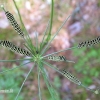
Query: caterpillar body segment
{"points": [[14, 48], [70, 77], [13, 22], [89, 42], [59, 58]]}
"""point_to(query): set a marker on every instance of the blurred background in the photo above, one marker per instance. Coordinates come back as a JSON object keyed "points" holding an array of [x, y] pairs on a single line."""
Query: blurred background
{"points": [[83, 25]]}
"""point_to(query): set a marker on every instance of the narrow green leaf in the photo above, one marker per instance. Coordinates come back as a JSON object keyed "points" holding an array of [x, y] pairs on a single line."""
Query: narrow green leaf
{"points": [[39, 89], [41, 45], [59, 51], [27, 38], [51, 21], [55, 35], [47, 82], [13, 68], [70, 77], [14, 60], [24, 82]]}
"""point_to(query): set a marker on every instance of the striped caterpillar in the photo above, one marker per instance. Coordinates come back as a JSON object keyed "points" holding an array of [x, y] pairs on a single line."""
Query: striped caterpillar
{"points": [[12, 47], [13, 22], [57, 58], [89, 42], [71, 77]]}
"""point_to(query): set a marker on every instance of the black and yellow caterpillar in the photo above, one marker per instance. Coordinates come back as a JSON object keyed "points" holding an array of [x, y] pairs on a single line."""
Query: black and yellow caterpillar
{"points": [[13, 22], [57, 58], [89, 42], [14, 48], [70, 77]]}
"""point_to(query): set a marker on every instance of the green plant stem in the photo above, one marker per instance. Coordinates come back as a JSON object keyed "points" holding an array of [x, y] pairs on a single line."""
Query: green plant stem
{"points": [[13, 68], [55, 68], [24, 82], [47, 82], [61, 61], [39, 88], [36, 40], [59, 51], [14, 60], [29, 42], [51, 21], [44, 34], [55, 35]]}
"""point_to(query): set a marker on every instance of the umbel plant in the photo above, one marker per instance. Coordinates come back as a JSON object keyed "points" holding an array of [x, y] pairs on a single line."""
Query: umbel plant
{"points": [[37, 55]]}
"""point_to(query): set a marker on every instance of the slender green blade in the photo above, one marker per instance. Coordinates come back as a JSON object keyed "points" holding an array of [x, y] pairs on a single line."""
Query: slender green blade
{"points": [[14, 60], [24, 82], [41, 45], [70, 77], [51, 21], [54, 35], [47, 82], [27, 38], [13, 68], [60, 51], [39, 89]]}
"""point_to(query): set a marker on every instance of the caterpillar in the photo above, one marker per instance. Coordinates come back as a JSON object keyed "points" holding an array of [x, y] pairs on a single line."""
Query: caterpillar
{"points": [[13, 22], [14, 48], [70, 77], [89, 42], [57, 58]]}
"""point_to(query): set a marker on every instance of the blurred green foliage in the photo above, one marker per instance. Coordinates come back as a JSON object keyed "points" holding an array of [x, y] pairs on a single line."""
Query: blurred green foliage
{"points": [[87, 63], [11, 80], [56, 85]]}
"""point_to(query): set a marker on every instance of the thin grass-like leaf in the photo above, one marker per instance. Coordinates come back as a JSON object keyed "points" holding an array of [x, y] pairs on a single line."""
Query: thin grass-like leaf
{"points": [[28, 40], [39, 88], [15, 25], [28, 49], [24, 82], [53, 91], [44, 50], [47, 82], [60, 51], [69, 76], [13, 68], [36, 41], [41, 44], [14, 48], [14, 60], [51, 21]]}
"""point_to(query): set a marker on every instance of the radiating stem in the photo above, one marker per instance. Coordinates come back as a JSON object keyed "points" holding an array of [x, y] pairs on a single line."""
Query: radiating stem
{"points": [[71, 77], [47, 83], [13, 68], [36, 40], [28, 41], [29, 49], [51, 21], [14, 60], [44, 34], [39, 88], [55, 35], [24, 82], [60, 61], [59, 51]]}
